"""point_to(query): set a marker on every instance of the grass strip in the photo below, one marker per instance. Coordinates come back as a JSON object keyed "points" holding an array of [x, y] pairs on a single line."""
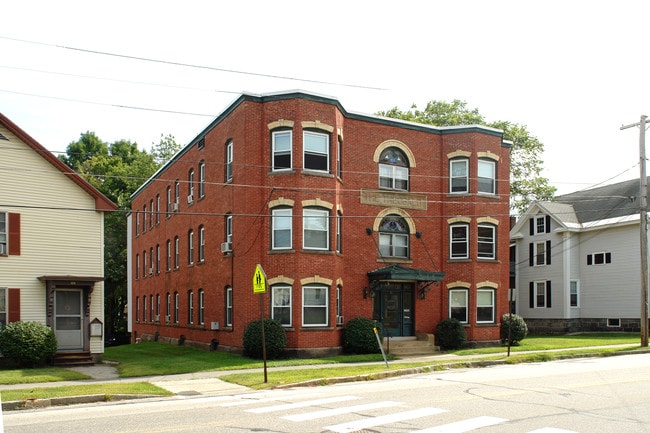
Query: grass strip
{"points": [[107, 389]]}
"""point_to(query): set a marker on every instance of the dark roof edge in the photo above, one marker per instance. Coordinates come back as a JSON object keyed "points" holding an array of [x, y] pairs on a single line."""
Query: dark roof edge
{"points": [[310, 96]]}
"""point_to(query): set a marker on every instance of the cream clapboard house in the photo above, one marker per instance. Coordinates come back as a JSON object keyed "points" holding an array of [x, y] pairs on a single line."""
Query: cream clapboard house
{"points": [[51, 244]]}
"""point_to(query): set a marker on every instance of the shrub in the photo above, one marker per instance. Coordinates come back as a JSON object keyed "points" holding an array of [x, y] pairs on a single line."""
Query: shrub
{"points": [[518, 328], [450, 334], [359, 336], [275, 338], [28, 344]]}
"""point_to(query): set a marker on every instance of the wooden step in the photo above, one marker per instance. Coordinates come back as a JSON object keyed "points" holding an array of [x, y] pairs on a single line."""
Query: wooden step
{"points": [[68, 359]]}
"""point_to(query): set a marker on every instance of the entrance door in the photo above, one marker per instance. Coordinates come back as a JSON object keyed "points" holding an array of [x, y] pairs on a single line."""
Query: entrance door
{"points": [[68, 319], [393, 307]]}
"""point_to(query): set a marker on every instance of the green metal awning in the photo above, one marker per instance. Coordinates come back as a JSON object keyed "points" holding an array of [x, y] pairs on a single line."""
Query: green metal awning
{"points": [[400, 273]]}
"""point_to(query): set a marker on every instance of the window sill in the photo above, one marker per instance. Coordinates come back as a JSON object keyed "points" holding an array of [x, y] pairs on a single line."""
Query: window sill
{"points": [[483, 260], [486, 325], [316, 173], [459, 260], [291, 251], [323, 252], [316, 328], [393, 260], [280, 172]]}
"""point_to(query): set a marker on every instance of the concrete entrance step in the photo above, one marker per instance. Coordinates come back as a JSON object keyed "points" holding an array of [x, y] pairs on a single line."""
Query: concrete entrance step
{"points": [[422, 344]]}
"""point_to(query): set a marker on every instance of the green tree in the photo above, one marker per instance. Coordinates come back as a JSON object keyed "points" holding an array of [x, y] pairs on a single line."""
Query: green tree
{"points": [[117, 170], [165, 149], [88, 146], [526, 164]]}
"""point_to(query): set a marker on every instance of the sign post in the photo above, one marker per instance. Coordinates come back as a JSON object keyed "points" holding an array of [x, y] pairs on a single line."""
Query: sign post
{"points": [[259, 286]]}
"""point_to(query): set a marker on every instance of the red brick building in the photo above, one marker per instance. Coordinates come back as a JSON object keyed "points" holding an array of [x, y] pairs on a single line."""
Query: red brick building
{"points": [[348, 215]]}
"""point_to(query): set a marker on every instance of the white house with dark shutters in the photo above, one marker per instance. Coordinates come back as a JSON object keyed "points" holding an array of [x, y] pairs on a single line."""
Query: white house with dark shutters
{"points": [[51, 246], [576, 264]]}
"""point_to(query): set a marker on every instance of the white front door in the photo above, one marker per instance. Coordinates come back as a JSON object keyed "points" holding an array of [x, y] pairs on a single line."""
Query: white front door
{"points": [[68, 319]]}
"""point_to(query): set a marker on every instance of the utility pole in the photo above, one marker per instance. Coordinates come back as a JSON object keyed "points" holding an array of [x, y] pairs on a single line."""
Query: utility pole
{"points": [[643, 224]]}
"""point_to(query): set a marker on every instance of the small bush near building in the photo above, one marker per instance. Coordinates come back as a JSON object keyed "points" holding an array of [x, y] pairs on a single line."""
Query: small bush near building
{"points": [[28, 344], [450, 334], [359, 336], [275, 338], [518, 328]]}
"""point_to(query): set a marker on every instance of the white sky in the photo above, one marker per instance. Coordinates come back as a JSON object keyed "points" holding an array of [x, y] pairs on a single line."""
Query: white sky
{"points": [[573, 72]]}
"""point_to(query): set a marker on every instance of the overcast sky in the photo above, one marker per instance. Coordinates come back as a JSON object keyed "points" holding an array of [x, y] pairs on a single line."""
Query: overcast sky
{"points": [[573, 72]]}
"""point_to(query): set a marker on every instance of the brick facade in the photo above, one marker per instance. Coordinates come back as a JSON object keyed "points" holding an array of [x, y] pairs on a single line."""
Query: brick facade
{"points": [[344, 191]]}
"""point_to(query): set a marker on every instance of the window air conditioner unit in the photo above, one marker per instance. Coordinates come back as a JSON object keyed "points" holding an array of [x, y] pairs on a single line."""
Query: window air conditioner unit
{"points": [[168, 319], [157, 317], [3, 249], [214, 326], [339, 320], [226, 247], [190, 199], [151, 271], [174, 207]]}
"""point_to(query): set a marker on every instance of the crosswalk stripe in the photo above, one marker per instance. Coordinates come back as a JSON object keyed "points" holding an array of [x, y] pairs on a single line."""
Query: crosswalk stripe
{"points": [[341, 410], [384, 419], [244, 400], [289, 406], [464, 425], [552, 430]]}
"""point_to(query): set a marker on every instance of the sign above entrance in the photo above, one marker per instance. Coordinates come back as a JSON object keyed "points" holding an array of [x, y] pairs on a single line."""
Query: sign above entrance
{"points": [[259, 280]]}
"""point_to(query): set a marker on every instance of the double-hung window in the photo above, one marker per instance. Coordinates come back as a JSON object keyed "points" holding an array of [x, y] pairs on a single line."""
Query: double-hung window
{"points": [[486, 241], [393, 237], [281, 221], [459, 241], [282, 145], [201, 179], [169, 255], [201, 307], [540, 294], [228, 306], [573, 287], [190, 186], [486, 176], [485, 306], [315, 229], [169, 201], [229, 229], [281, 304], [458, 305], [201, 244], [459, 175], [393, 170], [229, 161], [190, 247], [177, 245], [314, 305], [190, 307], [316, 151], [177, 299]]}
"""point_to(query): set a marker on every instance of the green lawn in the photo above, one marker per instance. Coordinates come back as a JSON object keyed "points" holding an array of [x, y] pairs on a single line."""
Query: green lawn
{"points": [[153, 359]]}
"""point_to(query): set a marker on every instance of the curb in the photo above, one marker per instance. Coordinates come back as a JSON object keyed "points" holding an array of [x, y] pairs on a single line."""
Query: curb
{"points": [[38, 403]]}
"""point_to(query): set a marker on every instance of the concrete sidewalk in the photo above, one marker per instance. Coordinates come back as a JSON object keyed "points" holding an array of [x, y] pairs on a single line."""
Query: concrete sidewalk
{"points": [[208, 383]]}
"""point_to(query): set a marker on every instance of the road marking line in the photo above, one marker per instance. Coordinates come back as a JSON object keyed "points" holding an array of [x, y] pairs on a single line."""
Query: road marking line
{"points": [[552, 430], [384, 419], [341, 410], [289, 406], [465, 425], [244, 400]]}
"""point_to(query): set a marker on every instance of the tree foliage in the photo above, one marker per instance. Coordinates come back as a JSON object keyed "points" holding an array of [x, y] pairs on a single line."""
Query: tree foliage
{"points": [[526, 164], [117, 170]]}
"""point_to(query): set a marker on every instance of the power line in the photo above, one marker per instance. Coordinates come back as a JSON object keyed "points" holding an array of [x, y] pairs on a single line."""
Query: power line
{"points": [[189, 65]]}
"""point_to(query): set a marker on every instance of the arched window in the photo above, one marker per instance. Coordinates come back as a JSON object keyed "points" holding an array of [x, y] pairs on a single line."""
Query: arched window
{"points": [[393, 169], [393, 237]]}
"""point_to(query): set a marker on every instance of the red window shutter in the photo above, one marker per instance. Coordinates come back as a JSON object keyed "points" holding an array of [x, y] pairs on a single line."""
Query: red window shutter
{"points": [[14, 234], [13, 305]]}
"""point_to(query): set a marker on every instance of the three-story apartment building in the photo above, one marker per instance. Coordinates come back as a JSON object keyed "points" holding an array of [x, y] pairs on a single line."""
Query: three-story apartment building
{"points": [[349, 215]]}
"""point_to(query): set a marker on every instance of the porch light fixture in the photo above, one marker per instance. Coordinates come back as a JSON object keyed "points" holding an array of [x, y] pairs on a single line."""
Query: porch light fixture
{"points": [[368, 291]]}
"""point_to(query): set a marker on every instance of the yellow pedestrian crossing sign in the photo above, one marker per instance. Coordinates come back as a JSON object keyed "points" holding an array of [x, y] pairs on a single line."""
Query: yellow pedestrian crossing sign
{"points": [[259, 280]]}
